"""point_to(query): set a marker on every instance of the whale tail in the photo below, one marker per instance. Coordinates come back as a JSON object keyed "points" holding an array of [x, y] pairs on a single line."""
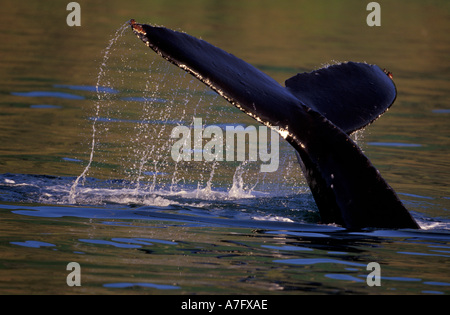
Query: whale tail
{"points": [[315, 112], [351, 95]]}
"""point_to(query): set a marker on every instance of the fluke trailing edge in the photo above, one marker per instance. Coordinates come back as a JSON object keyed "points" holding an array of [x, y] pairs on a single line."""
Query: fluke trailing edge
{"points": [[315, 113]]}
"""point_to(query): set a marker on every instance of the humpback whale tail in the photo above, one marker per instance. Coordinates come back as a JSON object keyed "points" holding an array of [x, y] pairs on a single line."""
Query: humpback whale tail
{"points": [[315, 112]]}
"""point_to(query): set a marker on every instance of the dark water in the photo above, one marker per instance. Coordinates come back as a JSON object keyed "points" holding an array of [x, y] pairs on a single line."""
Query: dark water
{"points": [[86, 174]]}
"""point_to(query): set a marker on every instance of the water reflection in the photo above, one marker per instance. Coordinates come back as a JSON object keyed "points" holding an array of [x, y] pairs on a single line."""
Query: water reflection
{"points": [[33, 244], [395, 144], [122, 285], [305, 258], [90, 88], [48, 94], [46, 106]]}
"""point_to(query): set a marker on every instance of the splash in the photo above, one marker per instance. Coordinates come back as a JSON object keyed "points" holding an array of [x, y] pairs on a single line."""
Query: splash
{"points": [[238, 190], [101, 94], [130, 135]]}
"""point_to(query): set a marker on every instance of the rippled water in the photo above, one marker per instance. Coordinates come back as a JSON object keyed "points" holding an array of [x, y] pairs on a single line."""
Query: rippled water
{"points": [[86, 174], [192, 242]]}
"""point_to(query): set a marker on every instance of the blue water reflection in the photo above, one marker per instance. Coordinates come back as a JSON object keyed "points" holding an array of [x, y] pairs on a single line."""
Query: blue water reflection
{"points": [[49, 94], [123, 285], [33, 244]]}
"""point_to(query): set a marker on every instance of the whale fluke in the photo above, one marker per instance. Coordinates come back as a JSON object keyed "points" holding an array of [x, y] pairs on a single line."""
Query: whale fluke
{"points": [[315, 112], [351, 95]]}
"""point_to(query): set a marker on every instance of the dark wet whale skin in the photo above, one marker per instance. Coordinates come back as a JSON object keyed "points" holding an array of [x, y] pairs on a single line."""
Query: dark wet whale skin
{"points": [[315, 113]]}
